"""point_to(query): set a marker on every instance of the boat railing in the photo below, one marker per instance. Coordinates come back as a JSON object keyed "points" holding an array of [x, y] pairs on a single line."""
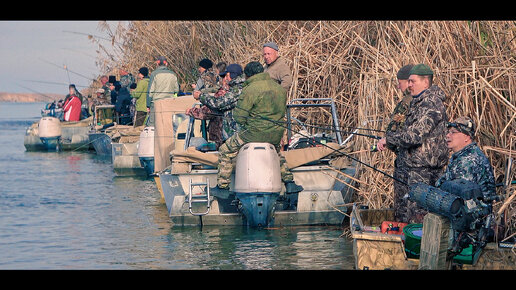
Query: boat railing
{"points": [[314, 102]]}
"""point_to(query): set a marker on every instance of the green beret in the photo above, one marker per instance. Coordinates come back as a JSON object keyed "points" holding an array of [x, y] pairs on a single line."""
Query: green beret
{"points": [[421, 70]]}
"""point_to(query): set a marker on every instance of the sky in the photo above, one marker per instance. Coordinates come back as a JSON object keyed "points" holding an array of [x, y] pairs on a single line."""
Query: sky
{"points": [[33, 55]]}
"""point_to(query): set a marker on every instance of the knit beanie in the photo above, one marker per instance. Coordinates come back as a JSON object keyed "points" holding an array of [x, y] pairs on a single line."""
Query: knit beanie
{"points": [[206, 63], [144, 71]]}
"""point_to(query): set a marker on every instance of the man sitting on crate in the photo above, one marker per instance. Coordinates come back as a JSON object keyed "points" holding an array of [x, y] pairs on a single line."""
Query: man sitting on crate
{"points": [[260, 106], [467, 161]]}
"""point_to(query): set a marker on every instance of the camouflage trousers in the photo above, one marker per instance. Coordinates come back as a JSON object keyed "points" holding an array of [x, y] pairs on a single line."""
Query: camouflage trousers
{"points": [[227, 153], [405, 210]]}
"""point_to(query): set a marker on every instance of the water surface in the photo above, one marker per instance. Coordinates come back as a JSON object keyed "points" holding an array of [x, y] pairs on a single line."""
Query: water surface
{"points": [[68, 210]]}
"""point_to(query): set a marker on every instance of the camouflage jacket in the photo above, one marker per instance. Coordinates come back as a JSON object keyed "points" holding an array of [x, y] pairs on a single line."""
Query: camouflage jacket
{"points": [[471, 164], [260, 110], [421, 142], [126, 81], [208, 79], [399, 114], [107, 92], [223, 102]]}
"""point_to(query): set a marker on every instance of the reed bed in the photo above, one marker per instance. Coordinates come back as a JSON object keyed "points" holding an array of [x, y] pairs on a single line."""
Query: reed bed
{"points": [[355, 64]]}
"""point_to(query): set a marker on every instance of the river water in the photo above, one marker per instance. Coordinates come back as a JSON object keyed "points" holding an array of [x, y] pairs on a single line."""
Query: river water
{"points": [[68, 210]]}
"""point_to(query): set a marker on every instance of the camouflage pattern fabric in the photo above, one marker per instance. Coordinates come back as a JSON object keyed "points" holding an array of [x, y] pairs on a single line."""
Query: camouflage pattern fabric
{"points": [[420, 148], [471, 164], [227, 153], [107, 92], [215, 124], [224, 103], [398, 115], [126, 81], [405, 210], [206, 80], [422, 141]]}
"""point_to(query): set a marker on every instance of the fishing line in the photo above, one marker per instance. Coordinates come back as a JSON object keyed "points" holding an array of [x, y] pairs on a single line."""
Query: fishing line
{"points": [[328, 128], [88, 78], [280, 124], [34, 91]]}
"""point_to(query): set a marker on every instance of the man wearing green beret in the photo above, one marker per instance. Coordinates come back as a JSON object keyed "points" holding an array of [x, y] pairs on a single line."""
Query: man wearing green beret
{"points": [[421, 143]]}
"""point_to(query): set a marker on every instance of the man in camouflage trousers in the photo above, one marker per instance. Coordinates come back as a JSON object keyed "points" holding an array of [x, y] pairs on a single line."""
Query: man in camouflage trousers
{"points": [[396, 122], [261, 104], [421, 144], [467, 161]]}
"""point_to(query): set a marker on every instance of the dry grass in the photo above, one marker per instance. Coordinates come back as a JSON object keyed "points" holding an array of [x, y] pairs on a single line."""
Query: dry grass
{"points": [[355, 63]]}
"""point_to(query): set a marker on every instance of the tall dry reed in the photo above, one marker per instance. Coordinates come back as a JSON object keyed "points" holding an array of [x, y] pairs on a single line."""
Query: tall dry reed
{"points": [[355, 64]]}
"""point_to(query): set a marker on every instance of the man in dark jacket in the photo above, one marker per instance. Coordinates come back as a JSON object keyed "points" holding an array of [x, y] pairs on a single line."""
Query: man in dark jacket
{"points": [[421, 142], [122, 106]]}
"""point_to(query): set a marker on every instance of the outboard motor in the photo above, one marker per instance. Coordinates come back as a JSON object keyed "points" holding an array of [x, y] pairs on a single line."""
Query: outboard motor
{"points": [[257, 182], [464, 204], [146, 150], [49, 130]]}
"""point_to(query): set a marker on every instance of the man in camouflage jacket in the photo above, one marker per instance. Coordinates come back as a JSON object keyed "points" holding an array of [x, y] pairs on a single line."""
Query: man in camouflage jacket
{"points": [[421, 144], [467, 161], [220, 104], [207, 78], [397, 121]]}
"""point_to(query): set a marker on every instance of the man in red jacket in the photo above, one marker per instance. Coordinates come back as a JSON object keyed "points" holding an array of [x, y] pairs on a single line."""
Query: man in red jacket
{"points": [[72, 108]]}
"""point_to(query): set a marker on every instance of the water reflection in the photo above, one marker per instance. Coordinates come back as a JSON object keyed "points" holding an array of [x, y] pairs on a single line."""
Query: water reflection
{"points": [[243, 248]]}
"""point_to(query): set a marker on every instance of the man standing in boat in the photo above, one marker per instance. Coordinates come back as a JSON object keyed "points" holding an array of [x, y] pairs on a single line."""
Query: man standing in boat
{"points": [[397, 122], [162, 84], [276, 66], [260, 106], [467, 161], [222, 103], [140, 94], [421, 142]]}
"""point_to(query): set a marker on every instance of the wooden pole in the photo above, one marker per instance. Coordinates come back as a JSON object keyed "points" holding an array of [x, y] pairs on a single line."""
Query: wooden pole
{"points": [[434, 243]]}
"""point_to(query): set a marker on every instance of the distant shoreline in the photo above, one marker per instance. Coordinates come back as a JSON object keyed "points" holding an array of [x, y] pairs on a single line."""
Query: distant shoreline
{"points": [[29, 97]]}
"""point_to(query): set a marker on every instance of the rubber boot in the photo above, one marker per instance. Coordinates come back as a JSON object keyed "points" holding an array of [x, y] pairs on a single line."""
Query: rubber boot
{"points": [[292, 187]]}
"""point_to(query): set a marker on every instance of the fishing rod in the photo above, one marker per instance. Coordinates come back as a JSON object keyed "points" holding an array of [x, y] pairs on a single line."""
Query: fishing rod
{"points": [[54, 83], [325, 145], [68, 73], [359, 128], [68, 70], [329, 128], [34, 91], [341, 131], [88, 34]]}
